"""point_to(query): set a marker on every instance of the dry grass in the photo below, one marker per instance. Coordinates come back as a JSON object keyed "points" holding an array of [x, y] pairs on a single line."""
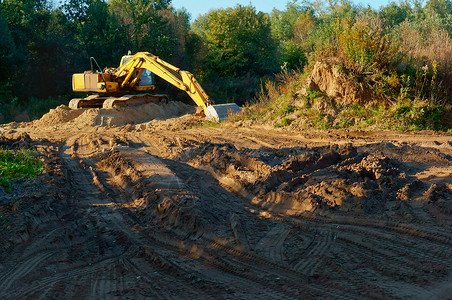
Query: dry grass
{"points": [[431, 55]]}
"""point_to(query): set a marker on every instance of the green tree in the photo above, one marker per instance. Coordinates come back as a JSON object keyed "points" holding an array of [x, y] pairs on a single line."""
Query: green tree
{"points": [[147, 25], [292, 55], [394, 14], [27, 21], [282, 22], [100, 35], [7, 50], [442, 7], [238, 41], [302, 28]]}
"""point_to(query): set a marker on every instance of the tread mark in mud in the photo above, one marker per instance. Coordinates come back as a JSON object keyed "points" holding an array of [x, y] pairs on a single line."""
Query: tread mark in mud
{"points": [[271, 245], [22, 270], [315, 256], [42, 283]]}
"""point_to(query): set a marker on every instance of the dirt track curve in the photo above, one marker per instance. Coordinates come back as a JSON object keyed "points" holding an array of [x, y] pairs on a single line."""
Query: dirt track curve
{"points": [[165, 210]]}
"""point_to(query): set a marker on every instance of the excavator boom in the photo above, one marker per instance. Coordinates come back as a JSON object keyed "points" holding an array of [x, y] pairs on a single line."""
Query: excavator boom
{"points": [[125, 78], [180, 79]]}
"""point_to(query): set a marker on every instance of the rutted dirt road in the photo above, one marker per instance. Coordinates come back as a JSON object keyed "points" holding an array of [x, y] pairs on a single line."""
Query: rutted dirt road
{"points": [[165, 210]]}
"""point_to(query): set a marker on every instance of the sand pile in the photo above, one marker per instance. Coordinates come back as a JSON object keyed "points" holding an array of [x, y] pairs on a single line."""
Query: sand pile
{"points": [[114, 117], [59, 115]]}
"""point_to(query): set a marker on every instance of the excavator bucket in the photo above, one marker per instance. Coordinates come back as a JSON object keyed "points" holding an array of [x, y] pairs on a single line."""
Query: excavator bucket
{"points": [[221, 112]]}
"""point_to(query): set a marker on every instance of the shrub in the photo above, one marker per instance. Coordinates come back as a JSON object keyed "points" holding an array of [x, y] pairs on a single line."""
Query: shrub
{"points": [[363, 47], [287, 109], [284, 122], [418, 115], [292, 56]]}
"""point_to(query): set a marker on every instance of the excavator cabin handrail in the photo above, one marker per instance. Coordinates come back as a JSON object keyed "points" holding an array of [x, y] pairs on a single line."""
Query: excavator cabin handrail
{"points": [[91, 59]]}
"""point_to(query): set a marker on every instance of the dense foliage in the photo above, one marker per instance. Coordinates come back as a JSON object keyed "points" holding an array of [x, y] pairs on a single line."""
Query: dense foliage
{"points": [[399, 56], [401, 52]]}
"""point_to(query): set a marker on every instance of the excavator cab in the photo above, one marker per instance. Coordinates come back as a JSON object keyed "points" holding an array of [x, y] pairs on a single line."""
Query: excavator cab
{"points": [[147, 79]]}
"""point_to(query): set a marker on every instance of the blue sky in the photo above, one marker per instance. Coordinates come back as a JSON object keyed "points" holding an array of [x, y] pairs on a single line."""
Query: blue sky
{"points": [[197, 7]]}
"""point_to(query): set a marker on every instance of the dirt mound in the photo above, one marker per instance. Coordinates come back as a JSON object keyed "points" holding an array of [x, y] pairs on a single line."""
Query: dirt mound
{"points": [[16, 141], [59, 115], [439, 198], [343, 178], [172, 124], [328, 79], [113, 117]]}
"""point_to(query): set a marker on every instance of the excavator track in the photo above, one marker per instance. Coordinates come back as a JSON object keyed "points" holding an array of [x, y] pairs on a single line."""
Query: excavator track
{"points": [[97, 101], [133, 100], [88, 102]]}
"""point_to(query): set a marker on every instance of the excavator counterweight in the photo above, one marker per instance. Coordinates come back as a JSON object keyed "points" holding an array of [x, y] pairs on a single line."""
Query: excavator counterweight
{"points": [[115, 86]]}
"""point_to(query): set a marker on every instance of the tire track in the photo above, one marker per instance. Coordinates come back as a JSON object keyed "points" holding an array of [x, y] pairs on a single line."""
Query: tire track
{"points": [[314, 265], [315, 255], [438, 236], [399, 246], [119, 278], [152, 287], [236, 266], [45, 282], [440, 252], [94, 285], [244, 265], [392, 265], [271, 245], [22, 270], [45, 294]]}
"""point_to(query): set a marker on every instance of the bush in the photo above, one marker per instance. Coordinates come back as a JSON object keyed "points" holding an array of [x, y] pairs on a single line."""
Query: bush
{"points": [[284, 122], [363, 47], [419, 115], [287, 109], [292, 56]]}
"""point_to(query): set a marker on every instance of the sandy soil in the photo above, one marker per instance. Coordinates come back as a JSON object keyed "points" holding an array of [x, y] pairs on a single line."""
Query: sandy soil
{"points": [[162, 208]]}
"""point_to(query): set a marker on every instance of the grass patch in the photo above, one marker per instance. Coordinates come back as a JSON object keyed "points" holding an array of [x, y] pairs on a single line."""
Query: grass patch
{"points": [[287, 109], [284, 122], [207, 123], [18, 164]]}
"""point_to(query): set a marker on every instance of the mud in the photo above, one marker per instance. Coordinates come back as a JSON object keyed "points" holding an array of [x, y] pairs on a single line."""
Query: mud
{"points": [[167, 209]]}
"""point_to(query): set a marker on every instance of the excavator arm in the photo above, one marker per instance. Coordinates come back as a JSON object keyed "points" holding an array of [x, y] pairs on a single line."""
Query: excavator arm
{"points": [[180, 79]]}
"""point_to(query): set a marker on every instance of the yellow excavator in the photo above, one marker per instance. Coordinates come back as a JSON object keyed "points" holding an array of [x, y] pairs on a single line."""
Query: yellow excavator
{"points": [[118, 86]]}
